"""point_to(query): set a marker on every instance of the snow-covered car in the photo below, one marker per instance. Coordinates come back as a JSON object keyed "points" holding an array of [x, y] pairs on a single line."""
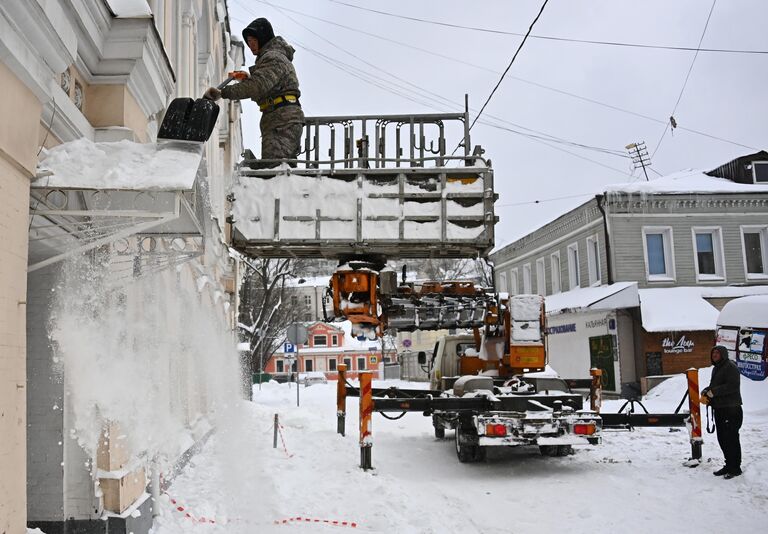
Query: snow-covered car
{"points": [[313, 377]]}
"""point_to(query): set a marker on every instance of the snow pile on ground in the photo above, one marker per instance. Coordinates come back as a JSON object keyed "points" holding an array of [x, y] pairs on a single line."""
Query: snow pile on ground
{"points": [[144, 353], [634, 482], [84, 164]]}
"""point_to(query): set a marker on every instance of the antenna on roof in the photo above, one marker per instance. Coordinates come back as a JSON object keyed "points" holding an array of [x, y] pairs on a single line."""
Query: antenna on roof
{"points": [[640, 158]]}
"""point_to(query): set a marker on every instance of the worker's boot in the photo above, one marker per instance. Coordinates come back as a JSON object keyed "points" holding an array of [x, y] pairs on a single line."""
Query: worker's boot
{"points": [[720, 472]]}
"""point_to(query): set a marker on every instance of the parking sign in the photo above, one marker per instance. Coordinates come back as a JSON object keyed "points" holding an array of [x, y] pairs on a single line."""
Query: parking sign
{"points": [[289, 347]]}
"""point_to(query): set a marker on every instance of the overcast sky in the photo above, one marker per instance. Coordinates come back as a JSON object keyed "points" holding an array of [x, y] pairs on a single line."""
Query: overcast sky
{"points": [[725, 95]]}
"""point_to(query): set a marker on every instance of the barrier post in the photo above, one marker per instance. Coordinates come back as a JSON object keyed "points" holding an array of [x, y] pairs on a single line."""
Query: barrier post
{"points": [[274, 437], [366, 411], [695, 410], [341, 399], [596, 390]]}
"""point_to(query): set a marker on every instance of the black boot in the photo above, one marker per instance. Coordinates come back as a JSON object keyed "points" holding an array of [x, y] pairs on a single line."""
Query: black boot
{"points": [[720, 472], [732, 473]]}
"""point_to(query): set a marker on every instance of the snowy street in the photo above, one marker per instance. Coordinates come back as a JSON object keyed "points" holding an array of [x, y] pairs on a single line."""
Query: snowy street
{"points": [[633, 482]]}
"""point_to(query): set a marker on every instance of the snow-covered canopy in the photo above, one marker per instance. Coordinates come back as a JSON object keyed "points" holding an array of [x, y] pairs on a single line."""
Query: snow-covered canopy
{"points": [[748, 311], [125, 165], [608, 297], [687, 181], [684, 308], [129, 8]]}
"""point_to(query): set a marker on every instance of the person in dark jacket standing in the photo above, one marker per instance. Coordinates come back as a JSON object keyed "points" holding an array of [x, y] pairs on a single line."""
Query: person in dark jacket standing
{"points": [[724, 395], [274, 86]]}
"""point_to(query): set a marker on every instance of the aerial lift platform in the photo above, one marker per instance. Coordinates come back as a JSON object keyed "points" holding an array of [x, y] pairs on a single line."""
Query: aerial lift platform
{"points": [[370, 188]]}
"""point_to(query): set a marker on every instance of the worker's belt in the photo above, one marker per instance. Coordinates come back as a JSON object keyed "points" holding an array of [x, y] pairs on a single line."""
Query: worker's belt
{"points": [[278, 102]]}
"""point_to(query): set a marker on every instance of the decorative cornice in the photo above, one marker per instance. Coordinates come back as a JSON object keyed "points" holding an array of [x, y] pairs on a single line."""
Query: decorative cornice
{"points": [[697, 202]]}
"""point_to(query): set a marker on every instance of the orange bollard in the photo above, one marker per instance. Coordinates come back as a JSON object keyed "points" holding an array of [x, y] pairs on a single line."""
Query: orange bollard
{"points": [[341, 400], [693, 404], [596, 390], [366, 411]]}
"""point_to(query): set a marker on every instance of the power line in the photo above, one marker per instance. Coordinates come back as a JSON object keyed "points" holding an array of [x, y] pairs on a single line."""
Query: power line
{"points": [[511, 61], [548, 37], [685, 83], [522, 80], [543, 200], [379, 81]]}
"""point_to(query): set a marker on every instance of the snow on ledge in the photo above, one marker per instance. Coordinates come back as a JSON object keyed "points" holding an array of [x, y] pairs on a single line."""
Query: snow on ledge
{"points": [[124, 165], [129, 8]]}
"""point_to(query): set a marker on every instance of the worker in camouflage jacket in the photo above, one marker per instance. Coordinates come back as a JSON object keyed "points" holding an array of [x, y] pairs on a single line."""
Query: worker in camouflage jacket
{"points": [[274, 86]]}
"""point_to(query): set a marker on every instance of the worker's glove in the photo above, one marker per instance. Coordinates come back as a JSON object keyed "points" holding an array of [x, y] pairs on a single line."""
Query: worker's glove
{"points": [[212, 94], [709, 393]]}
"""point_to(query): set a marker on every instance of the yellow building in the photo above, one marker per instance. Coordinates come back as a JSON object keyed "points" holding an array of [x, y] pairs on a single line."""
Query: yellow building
{"points": [[102, 71]]}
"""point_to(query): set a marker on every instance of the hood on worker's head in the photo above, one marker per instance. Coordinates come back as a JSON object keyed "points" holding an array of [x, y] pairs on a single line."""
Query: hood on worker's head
{"points": [[261, 30], [723, 354], [278, 44]]}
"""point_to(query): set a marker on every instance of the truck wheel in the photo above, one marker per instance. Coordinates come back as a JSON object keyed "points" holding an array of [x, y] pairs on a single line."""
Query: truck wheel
{"points": [[548, 450], [564, 450], [466, 453], [439, 432]]}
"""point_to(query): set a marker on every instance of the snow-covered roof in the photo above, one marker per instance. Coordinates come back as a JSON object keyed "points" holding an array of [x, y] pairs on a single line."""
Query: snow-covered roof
{"points": [[125, 165], [747, 311], [129, 8], [613, 296], [687, 181], [684, 308]]}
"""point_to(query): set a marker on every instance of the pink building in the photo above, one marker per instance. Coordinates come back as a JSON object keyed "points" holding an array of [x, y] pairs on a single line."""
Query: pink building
{"points": [[330, 345]]}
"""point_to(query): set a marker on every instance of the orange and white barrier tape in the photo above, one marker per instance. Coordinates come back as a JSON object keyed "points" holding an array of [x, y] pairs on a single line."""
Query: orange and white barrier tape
{"points": [[333, 522], [183, 509]]}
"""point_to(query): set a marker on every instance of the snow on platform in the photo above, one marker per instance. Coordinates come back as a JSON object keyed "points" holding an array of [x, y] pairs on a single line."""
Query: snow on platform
{"points": [[398, 212], [675, 309], [124, 165]]}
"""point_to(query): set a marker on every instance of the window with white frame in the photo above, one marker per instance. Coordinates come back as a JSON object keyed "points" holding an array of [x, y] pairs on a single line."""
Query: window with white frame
{"points": [[527, 279], [573, 266], [319, 340], [593, 260], [503, 282], [541, 277], [334, 340], [755, 243], [331, 364], [708, 249], [658, 252], [554, 265], [513, 286], [279, 366], [308, 300], [760, 172]]}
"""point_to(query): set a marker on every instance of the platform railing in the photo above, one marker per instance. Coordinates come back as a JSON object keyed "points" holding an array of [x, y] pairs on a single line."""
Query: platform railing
{"points": [[382, 142]]}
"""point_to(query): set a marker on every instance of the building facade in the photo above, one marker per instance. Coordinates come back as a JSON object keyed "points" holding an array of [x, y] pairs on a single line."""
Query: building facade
{"points": [[703, 231], [328, 346], [103, 71]]}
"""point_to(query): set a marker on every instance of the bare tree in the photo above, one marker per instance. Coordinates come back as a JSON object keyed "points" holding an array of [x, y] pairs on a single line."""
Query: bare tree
{"points": [[266, 308]]}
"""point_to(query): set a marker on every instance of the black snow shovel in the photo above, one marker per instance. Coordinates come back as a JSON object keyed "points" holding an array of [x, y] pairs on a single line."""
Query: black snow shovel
{"points": [[187, 119]]}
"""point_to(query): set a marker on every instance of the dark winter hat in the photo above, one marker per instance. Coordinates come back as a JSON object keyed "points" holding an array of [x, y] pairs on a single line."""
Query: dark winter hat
{"points": [[260, 29]]}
